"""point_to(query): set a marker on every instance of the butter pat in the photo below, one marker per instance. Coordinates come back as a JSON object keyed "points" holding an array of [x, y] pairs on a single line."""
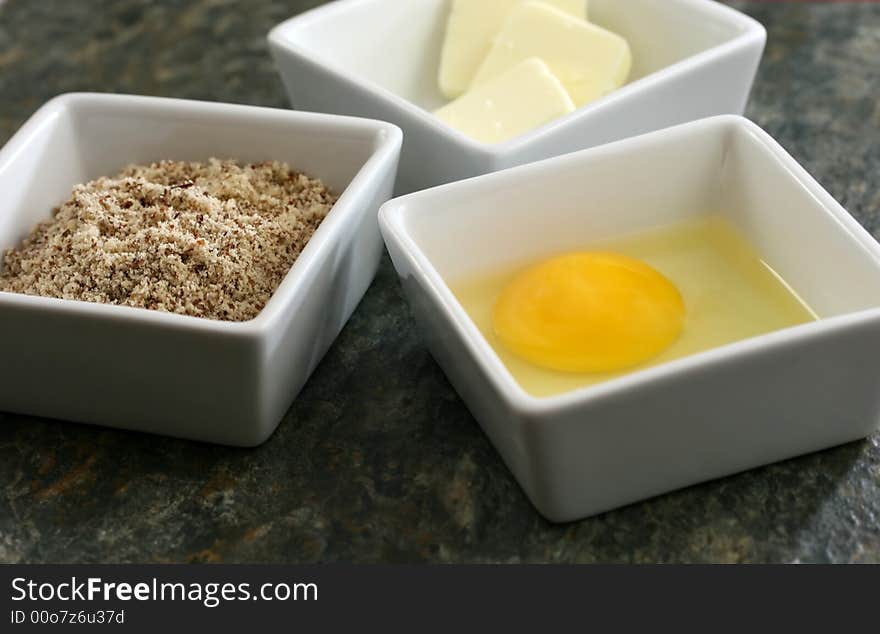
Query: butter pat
{"points": [[472, 26], [587, 59], [525, 97]]}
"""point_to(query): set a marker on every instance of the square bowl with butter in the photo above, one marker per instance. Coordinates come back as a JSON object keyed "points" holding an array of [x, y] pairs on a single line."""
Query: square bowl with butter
{"points": [[158, 370], [622, 324], [483, 85]]}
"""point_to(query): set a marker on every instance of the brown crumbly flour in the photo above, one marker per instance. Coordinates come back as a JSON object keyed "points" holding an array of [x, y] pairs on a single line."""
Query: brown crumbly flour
{"points": [[209, 239]]}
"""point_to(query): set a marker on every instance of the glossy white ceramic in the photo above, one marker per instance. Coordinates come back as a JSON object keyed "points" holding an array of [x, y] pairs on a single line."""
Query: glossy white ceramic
{"points": [[701, 417], [379, 58], [145, 370]]}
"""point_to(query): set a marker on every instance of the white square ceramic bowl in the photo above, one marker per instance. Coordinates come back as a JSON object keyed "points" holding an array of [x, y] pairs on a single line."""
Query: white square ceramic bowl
{"points": [[380, 58], [701, 417], [183, 376]]}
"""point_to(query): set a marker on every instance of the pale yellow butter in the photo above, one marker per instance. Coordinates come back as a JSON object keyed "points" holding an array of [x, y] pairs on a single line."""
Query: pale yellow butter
{"points": [[589, 60], [525, 97], [469, 32]]}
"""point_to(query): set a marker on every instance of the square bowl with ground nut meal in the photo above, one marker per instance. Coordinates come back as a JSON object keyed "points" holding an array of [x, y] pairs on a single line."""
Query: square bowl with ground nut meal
{"points": [[181, 267], [381, 59]]}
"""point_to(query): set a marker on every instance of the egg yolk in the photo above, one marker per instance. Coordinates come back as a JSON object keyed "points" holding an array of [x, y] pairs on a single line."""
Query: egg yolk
{"points": [[589, 312]]}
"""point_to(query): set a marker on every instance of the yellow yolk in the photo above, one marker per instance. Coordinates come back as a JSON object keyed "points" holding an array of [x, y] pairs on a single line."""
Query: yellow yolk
{"points": [[589, 312]]}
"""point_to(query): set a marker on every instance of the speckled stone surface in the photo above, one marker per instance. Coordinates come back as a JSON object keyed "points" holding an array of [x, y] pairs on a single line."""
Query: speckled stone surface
{"points": [[379, 460]]}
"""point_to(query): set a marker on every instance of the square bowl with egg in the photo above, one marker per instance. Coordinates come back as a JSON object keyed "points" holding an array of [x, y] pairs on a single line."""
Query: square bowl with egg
{"points": [[152, 371], [777, 321], [382, 59]]}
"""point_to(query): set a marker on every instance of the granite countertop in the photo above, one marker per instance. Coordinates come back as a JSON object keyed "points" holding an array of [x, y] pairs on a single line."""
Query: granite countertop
{"points": [[378, 459]]}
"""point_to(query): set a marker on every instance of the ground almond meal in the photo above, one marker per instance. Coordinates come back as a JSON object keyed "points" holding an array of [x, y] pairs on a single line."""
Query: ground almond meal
{"points": [[203, 239]]}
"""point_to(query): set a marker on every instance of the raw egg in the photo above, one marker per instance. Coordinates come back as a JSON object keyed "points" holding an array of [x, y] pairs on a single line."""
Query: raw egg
{"points": [[729, 291], [589, 312]]}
